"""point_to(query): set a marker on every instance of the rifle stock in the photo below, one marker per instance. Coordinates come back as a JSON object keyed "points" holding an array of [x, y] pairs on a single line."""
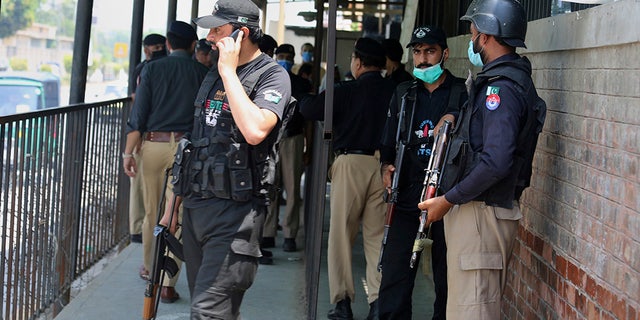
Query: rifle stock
{"points": [[430, 188], [161, 263]]}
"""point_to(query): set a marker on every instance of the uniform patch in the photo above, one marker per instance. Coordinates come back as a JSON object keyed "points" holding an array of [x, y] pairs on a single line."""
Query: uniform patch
{"points": [[492, 102], [272, 96], [492, 90]]}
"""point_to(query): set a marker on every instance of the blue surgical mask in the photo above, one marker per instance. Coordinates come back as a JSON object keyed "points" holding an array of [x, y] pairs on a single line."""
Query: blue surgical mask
{"points": [[286, 64], [430, 74], [307, 56], [474, 57]]}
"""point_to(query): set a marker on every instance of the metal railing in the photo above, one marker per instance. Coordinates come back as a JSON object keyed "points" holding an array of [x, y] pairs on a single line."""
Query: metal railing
{"points": [[64, 201]]}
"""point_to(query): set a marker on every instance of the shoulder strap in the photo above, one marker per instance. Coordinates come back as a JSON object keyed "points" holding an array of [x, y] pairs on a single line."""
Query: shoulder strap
{"points": [[406, 94], [457, 89], [250, 81]]}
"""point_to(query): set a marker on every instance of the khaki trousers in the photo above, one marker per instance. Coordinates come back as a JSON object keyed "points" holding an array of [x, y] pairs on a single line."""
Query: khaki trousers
{"points": [[289, 173], [156, 158], [479, 245], [136, 202], [356, 198]]}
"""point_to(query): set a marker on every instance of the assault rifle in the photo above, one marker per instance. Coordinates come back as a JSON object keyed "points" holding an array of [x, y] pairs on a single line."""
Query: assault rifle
{"points": [[161, 262], [391, 198], [430, 188]]}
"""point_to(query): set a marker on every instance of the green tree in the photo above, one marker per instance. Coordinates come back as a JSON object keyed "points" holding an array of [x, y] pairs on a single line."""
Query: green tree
{"points": [[60, 14], [16, 15]]}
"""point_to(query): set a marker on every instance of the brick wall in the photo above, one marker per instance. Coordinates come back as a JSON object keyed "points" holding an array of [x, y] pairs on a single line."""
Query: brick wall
{"points": [[577, 254]]}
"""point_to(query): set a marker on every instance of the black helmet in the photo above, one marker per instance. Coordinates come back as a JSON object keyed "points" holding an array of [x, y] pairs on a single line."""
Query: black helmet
{"points": [[502, 18]]}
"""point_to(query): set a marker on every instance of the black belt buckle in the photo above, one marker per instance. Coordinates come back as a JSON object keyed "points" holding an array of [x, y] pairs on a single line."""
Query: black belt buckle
{"points": [[356, 151]]}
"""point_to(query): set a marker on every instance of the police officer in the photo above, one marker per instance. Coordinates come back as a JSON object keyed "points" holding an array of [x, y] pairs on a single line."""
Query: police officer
{"points": [[435, 96], [232, 137], [291, 162], [501, 123], [394, 68], [154, 48], [162, 113], [360, 109]]}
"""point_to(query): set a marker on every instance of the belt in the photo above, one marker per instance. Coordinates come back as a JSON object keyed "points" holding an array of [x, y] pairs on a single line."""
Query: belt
{"points": [[356, 151], [160, 136]]}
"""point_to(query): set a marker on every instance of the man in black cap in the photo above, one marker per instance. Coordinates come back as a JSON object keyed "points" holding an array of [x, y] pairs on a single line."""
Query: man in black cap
{"points": [[497, 131], [435, 96], [395, 69], [154, 48], [359, 111], [290, 166], [224, 189], [161, 114], [204, 54]]}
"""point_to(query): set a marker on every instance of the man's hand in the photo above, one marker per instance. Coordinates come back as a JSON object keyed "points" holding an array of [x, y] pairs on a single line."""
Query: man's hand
{"points": [[229, 50], [164, 221], [387, 171], [436, 208], [446, 117], [130, 166]]}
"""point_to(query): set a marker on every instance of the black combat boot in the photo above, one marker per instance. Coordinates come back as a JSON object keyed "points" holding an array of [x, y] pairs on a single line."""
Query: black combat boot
{"points": [[342, 311], [373, 311]]}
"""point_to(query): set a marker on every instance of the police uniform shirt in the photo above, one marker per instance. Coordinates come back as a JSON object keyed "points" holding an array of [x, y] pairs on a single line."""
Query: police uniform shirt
{"points": [[430, 107], [165, 95], [133, 81], [498, 115], [359, 111], [272, 92], [299, 87]]}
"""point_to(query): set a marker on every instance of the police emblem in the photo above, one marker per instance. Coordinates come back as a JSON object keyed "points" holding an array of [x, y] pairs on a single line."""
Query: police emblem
{"points": [[493, 101]]}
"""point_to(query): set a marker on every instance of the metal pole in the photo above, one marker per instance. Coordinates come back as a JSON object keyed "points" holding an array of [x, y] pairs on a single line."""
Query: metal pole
{"points": [[319, 176], [81, 41], [194, 12], [171, 12], [135, 44]]}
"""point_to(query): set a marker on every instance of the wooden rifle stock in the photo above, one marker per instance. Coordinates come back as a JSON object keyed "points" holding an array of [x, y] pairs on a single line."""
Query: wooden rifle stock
{"points": [[430, 188], [151, 295]]}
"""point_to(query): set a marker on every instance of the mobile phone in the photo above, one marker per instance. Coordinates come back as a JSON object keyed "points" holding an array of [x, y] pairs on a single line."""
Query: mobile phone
{"points": [[234, 34]]}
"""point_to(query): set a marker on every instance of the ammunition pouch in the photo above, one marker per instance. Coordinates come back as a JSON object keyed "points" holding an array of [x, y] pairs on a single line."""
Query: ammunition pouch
{"points": [[181, 163], [224, 175]]}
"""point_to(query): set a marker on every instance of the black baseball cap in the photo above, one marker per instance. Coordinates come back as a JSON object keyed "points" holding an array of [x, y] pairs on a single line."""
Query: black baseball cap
{"points": [[183, 30], [244, 12], [154, 39], [429, 35]]}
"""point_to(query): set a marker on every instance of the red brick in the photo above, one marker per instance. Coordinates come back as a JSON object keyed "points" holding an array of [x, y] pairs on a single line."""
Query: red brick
{"points": [[561, 266], [593, 312], [547, 252], [604, 297], [632, 314], [581, 303], [537, 245], [570, 293], [590, 288], [619, 308], [573, 273]]}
